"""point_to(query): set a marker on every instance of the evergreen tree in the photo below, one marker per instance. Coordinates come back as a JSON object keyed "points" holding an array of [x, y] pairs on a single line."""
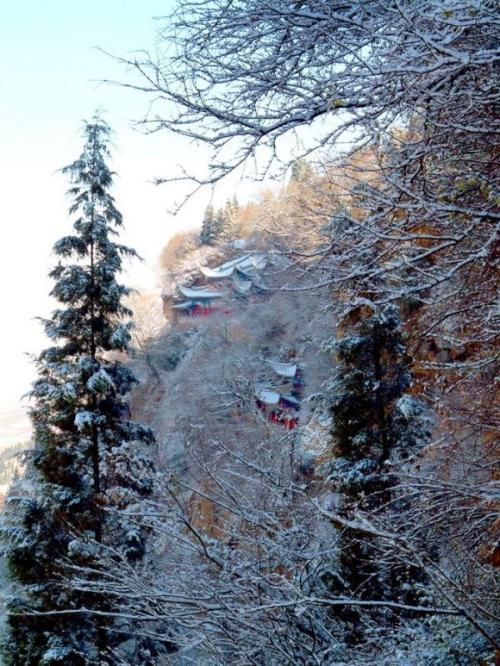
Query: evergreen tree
{"points": [[88, 464], [220, 225], [376, 424], [227, 220], [302, 171], [235, 204], [208, 231]]}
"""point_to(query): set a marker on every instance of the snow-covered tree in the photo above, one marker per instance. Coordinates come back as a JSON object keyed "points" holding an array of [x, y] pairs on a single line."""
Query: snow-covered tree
{"points": [[217, 224], [409, 87], [90, 462], [208, 233], [376, 424], [248, 533], [227, 220], [369, 392], [413, 81]]}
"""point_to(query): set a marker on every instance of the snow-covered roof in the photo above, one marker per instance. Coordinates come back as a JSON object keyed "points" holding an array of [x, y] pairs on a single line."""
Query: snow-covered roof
{"points": [[284, 369], [247, 263], [241, 284], [292, 400], [185, 305], [252, 263], [217, 273], [200, 292], [224, 270], [267, 396]]}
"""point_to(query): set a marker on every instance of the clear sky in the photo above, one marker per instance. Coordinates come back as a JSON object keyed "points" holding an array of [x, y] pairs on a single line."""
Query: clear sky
{"points": [[50, 65], [50, 81]]}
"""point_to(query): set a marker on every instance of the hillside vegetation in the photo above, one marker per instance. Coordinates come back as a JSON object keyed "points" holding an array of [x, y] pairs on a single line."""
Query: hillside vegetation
{"points": [[307, 471], [321, 534]]}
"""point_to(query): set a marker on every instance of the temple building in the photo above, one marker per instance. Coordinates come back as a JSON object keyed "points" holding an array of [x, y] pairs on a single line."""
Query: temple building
{"points": [[278, 396], [233, 280], [242, 273], [198, 302]]}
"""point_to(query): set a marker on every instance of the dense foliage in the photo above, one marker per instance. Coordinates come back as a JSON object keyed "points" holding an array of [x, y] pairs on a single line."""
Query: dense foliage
{"points": [[369, 533], [376, 425], [86, 467], [407, 214]]}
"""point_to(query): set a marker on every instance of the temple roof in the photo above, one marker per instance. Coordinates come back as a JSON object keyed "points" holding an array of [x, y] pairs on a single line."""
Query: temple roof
{"points": [[247, 264], [268, 396], [217, 273], [290, 399], [200, 292], [185, 305], [273, 398], [283, 369], [241, 284]]}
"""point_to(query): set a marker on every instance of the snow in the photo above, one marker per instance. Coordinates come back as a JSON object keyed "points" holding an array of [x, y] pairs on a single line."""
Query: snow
{"points": [[246, 264], [185, 305], [100, 381], [288, 370], [121, 336], [200, 292], [267, 396], [242, 285], [83, 419], [216, 273]]}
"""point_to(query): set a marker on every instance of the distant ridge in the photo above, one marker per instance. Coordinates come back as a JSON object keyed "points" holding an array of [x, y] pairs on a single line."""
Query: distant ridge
{"points": [[14, 426]]}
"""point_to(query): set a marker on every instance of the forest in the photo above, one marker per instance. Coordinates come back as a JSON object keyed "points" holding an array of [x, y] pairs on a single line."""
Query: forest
{"points": [[292, 456]]}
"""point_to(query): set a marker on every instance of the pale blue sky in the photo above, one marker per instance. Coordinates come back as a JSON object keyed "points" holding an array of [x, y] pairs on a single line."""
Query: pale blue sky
{"points": [[49, 67], [50, 60]]}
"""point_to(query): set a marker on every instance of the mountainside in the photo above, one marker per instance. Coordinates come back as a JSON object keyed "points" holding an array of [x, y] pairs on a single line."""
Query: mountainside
{"points": [[288, 455], [214, 367], [14, 427], [239, 389]]}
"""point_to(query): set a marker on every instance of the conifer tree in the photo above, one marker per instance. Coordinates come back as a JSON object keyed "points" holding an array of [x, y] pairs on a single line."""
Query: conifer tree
{"points": [[208, 231], [227, 219], [89, 461], [376, 424], [220, 225]]}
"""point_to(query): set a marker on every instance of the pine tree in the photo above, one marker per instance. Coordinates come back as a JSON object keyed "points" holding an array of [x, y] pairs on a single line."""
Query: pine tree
{"points": [[208, 231], [220, 225], [89, 462], [373, 373], [302, 171], [376, 424], [227, 220]]}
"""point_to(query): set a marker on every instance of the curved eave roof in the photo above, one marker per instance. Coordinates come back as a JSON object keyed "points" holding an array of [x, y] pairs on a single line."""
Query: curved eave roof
{"points": [[216, 273], [194, 293], [288, 370], [247, 264], [185, 305], [242, 285], [268, 397]]}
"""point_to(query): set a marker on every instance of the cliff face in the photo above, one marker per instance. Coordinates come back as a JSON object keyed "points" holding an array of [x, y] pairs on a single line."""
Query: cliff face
{"points": [[215, 369], [254, 501]]}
